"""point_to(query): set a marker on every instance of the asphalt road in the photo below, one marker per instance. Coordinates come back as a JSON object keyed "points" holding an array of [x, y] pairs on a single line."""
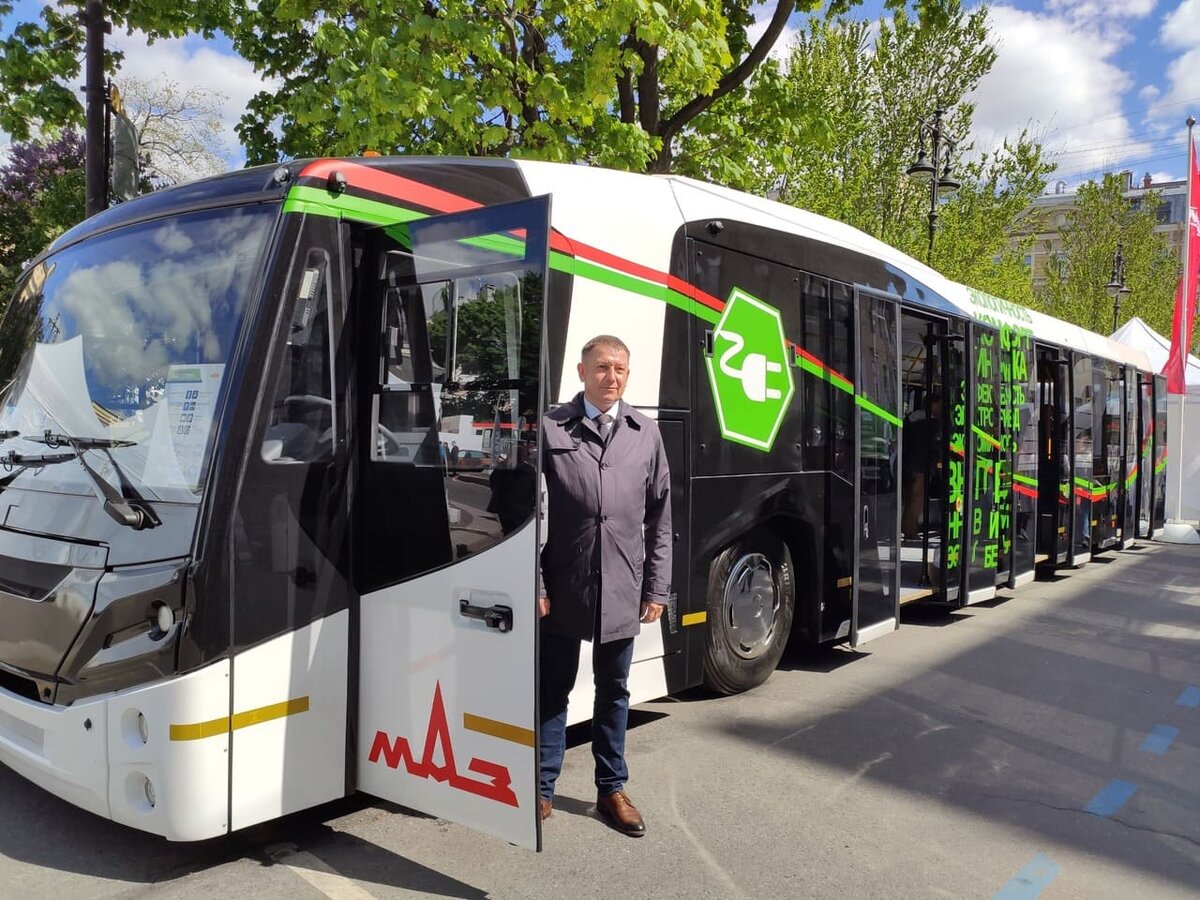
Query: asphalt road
{"points": [[1047, 744]]}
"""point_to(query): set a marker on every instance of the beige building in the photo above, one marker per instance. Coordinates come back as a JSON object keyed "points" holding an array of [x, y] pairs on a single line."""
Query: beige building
{"points": [[1051, 211]]}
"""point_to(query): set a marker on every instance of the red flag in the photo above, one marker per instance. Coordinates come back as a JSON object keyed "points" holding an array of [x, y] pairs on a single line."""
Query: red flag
{"points": [[1185, 296]]}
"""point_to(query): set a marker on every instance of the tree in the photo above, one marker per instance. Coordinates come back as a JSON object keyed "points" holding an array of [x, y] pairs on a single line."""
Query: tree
{"points": [[178, 129], [616, 83], [612, 84], [853, 106], [42, 181], [40, 61], [1100, 218], [41, 196]]}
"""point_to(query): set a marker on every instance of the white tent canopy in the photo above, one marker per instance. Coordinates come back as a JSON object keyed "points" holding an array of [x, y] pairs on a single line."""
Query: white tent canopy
{"points": [[1181, 505], [1157, 348]]}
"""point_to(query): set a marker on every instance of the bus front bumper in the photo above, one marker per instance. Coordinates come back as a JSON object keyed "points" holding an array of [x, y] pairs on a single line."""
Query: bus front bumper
{"points": [[132, 756]]}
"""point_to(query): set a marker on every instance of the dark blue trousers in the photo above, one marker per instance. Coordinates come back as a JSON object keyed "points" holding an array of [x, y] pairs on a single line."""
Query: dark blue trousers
{"points": [[610, 713]]}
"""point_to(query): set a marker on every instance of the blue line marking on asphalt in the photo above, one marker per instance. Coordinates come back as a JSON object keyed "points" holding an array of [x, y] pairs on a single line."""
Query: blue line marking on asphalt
{"points": [[1030, 881], [1111, 798], [1190, 697], [1160, 739]]}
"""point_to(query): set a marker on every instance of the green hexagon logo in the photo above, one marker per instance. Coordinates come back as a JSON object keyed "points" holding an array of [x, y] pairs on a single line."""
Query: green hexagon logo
{"points": [[749, 371]]}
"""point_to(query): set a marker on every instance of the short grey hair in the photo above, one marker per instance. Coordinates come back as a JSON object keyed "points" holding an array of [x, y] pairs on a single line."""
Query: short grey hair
{"points": [[612, 342]]}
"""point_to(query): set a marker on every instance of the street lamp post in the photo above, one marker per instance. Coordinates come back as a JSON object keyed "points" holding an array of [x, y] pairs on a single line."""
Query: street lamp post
{"points": [[934, 166], [1116, 287]]}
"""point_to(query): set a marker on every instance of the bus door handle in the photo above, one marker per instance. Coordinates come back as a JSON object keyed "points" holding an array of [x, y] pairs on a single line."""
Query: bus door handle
{"points": [[496, 616]]}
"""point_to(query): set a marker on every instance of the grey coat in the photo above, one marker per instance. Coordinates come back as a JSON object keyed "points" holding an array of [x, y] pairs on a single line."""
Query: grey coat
{"points": [[609, 522]]}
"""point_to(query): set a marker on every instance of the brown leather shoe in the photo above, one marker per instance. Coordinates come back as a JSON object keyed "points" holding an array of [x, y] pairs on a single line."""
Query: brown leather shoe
{"points": [[622, 815], [547, 807]]}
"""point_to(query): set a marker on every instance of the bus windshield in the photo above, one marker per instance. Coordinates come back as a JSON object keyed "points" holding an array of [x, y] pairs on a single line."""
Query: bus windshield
{"points": [[119, 344]]}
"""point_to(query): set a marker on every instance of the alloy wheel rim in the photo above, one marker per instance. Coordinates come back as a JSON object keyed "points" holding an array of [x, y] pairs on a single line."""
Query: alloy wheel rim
{"points": [[751, 606]]}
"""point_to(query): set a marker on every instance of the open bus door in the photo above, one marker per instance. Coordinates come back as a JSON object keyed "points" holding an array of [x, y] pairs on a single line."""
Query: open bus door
{"points": [[1129, 455], [447, 558], [1145, 481], [985, 459], [1158, 502], [1083, 417], [1054, 457], [876, 594], [1019, 399]]}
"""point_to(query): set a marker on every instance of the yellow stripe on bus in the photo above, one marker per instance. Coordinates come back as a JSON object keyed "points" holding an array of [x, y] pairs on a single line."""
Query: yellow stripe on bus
{"points": [[502, 730], [695, 618], [214, 727]]}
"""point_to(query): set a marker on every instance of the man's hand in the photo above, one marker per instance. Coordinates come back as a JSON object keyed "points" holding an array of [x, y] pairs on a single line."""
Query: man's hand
{"points": [[543, 607], [652, 612]]}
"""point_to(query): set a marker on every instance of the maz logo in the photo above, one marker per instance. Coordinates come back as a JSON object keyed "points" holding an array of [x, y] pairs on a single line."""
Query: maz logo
{"points": [[498, 787]]}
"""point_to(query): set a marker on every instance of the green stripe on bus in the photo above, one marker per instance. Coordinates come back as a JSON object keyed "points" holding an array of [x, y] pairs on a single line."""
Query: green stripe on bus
{"points": [[1025, 479], [573, 265], [879, 411], [318, 202], [987, 437]]}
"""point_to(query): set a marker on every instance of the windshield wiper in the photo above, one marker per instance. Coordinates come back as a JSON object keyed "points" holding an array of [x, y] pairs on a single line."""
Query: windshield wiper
{"points": [[13, 459], [58, 439], [9, 435], [133, 511]]}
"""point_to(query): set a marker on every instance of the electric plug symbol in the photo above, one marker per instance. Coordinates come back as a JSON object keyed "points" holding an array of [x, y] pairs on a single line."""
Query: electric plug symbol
{"points": [[753, 374]]}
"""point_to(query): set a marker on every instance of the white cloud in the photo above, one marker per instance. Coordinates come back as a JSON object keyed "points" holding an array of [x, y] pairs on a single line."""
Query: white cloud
{"points": [[1055, 74], [1092, 10], [190, 62], [763, 13], [1179, 93], [1181, 26]]}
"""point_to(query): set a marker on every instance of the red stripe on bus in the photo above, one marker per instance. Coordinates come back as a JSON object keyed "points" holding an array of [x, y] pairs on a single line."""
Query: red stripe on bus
{"points": [[401, 188], [1026, 491], [390, 185]]}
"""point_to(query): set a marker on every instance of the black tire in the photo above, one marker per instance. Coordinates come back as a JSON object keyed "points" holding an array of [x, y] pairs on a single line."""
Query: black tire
{"points": [[742, 652]]}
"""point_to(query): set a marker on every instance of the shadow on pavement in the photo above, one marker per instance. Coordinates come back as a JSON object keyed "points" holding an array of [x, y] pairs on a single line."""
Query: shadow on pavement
{"points": [[1026, 727], [55, 835]]}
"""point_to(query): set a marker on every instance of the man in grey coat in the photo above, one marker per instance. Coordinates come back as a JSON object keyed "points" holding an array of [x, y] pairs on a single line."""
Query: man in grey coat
{"points": [[606, 566]]}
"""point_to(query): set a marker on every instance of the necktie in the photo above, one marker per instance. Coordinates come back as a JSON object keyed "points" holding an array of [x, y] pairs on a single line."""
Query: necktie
{"points": [[604, 423]]}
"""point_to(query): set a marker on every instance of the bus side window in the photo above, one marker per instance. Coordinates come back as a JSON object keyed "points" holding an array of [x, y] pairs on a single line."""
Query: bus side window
{"points": [[301, 426], [816, 405], [412, 372]]}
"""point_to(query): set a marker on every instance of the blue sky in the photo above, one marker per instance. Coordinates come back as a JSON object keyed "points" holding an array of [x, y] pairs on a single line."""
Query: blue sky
{"points": [[1107, 84]]}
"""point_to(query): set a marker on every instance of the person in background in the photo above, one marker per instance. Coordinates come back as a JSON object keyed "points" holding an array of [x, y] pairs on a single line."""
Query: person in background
{"points": [[922, 431]]}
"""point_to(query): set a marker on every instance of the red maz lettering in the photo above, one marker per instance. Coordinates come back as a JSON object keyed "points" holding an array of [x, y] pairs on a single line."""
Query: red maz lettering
{"points": [[394, 751]]}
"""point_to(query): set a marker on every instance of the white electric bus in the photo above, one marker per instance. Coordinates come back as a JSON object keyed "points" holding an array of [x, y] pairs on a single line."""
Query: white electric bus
{"points": [[239, 577]]}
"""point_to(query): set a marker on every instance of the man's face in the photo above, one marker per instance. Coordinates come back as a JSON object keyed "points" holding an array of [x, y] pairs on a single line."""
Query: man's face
{"points": [[604, 371]]}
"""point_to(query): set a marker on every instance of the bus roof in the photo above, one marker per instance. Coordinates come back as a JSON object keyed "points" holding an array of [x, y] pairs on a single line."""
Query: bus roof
{"points": [[693, 200]]}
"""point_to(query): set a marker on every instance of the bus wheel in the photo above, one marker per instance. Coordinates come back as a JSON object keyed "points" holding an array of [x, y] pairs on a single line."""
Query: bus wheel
{"points": [[750, 603]]}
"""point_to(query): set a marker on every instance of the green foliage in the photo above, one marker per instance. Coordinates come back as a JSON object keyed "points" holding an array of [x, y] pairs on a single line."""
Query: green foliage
{"points": [[1100, 218], [976, 244], [41, 196], [622, 83], [835, 134]]}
